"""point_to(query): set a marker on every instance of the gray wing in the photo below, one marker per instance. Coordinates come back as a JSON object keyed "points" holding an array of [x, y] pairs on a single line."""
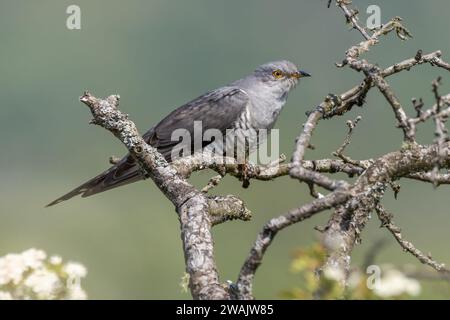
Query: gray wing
{"points": [[218, 109]]}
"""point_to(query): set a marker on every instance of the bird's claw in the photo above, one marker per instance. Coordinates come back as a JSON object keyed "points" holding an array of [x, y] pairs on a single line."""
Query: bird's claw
{"points": [[244, 177]]}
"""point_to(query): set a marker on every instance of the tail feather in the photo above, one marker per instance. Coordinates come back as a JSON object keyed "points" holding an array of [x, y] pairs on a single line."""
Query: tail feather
{"points": [[118, 175]]}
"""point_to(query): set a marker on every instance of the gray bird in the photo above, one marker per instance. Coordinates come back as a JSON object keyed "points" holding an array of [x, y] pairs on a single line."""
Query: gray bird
{"points": [[253, 102]]}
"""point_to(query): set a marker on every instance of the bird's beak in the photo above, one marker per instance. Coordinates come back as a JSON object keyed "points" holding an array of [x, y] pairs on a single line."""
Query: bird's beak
{"points": [[304, 74], [300, 74]]}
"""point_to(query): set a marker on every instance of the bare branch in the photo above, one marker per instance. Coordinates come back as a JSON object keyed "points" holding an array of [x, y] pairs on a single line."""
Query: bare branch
{"points": [[435, 179], [351, 16], [347, 222], [375, 74], [304, 139], [192, 206], [356, 95], [245, 281], [309, 177], [227, 208], [386, 221], [352, 202], [395, 103], [441, 131], [432, 111], [431, 58], [340, 151], [186, 166], [214, 181]]}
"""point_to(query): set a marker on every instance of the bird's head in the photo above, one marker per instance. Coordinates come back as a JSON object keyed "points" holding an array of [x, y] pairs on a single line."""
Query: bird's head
{"points": [[280, 75]]}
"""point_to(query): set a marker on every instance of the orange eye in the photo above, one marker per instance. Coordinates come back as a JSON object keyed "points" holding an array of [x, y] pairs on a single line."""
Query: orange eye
{"points": [[278, 74]]}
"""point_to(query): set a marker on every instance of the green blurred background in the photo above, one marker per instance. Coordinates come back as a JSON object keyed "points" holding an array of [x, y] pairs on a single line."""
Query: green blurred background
{"points": [[169, 52]]}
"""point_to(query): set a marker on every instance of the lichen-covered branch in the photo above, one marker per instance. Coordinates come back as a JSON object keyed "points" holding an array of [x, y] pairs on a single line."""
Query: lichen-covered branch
{"points": [[244, 283], [362, 197], [352, 204], [227, 208], [431, 177], [187, 166], [347, 222], [351, 200], [344, 228], [193, 207], [351, 16]]}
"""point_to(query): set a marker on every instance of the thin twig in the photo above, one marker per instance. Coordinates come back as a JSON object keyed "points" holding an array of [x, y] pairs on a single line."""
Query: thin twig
{"points": [[214, 181], [340, 151], [351, 17], [386, 221], [244, 283]]}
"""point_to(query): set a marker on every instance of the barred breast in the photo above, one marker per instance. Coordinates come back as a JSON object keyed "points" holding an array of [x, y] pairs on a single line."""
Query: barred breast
{"points": [[239, 141]]}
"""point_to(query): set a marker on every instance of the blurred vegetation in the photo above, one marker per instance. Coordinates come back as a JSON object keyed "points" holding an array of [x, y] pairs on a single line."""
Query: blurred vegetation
{"points": [[159, 54], [390, 283]]}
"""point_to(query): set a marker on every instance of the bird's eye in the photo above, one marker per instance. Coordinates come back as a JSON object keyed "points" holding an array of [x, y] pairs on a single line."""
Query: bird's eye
{"points": [[278, 74]]}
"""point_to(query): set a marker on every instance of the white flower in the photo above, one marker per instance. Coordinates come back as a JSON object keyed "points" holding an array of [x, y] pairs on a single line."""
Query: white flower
{"points": [[33, 258], [45, 284], [5, 295], [75, 270], [76, 293], [395, 283], [30, 275], [12, 268], [55, 260]]}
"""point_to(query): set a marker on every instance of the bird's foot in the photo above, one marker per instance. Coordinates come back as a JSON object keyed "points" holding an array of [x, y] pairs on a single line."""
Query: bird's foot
{"points": [[244, 176]]}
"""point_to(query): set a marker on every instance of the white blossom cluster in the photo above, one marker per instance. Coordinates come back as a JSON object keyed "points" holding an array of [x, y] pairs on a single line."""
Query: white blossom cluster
{"points": [[390, 284], [31, 275], [395, 283]]}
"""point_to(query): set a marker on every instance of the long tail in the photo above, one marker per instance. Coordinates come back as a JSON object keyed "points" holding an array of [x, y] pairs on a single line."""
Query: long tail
{"points": [[123, 173]]}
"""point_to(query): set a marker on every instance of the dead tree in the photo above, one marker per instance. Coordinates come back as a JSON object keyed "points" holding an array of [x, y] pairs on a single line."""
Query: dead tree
{"points": [[351, 202]]}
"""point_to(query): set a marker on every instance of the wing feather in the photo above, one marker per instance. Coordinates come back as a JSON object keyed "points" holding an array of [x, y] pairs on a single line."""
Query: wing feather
{"points": [[218, 109]]}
